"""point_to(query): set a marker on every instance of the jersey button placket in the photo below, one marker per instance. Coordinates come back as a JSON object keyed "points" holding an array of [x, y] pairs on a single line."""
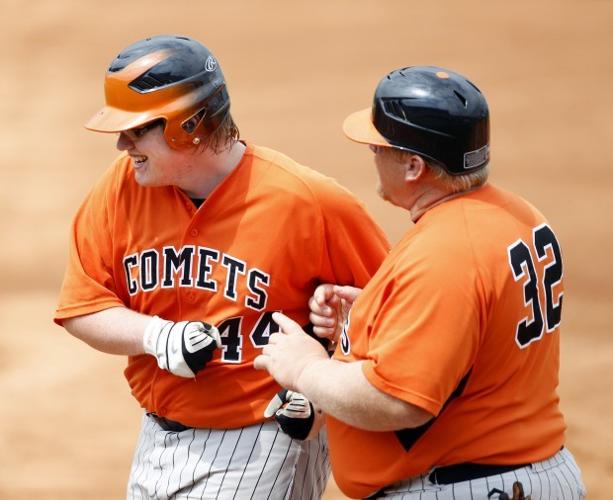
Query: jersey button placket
{"points": [[188, 295], [190, 207]]}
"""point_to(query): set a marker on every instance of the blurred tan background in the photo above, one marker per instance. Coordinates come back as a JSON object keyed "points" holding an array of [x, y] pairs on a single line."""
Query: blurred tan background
{"points": [[295, 69]]}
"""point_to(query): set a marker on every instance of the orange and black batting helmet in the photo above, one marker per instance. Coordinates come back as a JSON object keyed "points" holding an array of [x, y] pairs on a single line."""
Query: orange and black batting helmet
{"points": [[165, 77]]}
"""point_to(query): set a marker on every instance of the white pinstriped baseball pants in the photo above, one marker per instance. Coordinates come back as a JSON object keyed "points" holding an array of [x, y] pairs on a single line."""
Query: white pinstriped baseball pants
{"points": [[557, 478], [256, 462]]}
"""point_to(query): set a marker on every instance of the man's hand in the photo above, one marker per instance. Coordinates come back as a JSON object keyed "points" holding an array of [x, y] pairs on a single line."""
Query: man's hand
{"points": [[288, 352], [294, 415], [330, 306], [182, 348]]}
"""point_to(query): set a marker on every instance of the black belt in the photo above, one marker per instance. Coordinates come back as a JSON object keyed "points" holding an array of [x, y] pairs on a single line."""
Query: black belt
{"points": [[458, 473], [463, 472], [169, 425]]}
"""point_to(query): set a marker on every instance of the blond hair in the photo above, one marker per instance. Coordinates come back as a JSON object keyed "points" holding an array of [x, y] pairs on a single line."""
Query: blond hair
{"points": [[452, 183], [223, 136]]}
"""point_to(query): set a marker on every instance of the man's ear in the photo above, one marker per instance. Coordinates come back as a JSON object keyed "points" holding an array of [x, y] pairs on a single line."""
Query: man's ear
{"points": [[415, 168]]}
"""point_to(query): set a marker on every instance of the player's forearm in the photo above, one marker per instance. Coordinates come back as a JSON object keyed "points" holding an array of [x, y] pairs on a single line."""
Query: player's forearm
{"points": [[342, 390], [115, 331]]}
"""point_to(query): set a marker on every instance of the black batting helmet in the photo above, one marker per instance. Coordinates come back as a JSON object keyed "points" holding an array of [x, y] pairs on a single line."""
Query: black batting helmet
{"points": [[169, 77], [430, 111]]}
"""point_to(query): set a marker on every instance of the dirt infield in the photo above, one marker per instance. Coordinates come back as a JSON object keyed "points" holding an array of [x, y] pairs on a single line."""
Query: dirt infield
{"points": [[295, 70]]}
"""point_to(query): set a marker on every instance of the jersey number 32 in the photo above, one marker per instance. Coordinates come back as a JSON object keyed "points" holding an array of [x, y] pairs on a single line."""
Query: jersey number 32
{"points": [[522, 261]]}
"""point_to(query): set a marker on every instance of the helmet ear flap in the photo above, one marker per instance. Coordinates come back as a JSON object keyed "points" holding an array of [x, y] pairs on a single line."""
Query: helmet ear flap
{"points": [[194, 121]]}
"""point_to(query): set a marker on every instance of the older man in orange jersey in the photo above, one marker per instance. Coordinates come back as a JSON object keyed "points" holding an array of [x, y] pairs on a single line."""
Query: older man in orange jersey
{"points": [[443, 383]]}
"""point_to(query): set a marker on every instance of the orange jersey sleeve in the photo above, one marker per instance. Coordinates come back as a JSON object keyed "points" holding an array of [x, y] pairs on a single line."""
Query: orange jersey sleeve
{"points": [[90, 279], [442, 325], [261, 242]]}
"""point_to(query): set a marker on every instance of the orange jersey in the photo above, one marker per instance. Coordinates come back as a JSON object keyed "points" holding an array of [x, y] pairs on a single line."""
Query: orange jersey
{"points": [[261, 242], [460, 320]]}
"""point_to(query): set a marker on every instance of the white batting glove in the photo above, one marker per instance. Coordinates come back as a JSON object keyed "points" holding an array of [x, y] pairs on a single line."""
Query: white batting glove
{"points": [[294, 414], [182, 348]]}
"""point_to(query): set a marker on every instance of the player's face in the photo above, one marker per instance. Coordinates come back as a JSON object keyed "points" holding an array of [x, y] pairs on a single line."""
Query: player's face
{"points": [[154, 162], [391, 183]]}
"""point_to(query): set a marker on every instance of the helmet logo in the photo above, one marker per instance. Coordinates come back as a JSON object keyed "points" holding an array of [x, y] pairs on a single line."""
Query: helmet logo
{"points": [[210, 64], [443, 75], [474, 159]]}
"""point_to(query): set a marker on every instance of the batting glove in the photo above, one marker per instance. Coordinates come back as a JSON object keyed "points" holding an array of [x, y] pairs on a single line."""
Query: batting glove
{"points": [[182, 348], [293, 413]]}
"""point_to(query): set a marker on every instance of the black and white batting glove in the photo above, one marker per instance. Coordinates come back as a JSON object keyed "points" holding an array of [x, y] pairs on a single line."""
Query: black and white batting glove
{"points": [[293, 413], [182, 348]]}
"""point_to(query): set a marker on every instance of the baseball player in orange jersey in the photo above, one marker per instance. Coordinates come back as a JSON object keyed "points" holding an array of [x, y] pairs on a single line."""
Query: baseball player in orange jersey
{"points": [[443, 382], [179, 256]]}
